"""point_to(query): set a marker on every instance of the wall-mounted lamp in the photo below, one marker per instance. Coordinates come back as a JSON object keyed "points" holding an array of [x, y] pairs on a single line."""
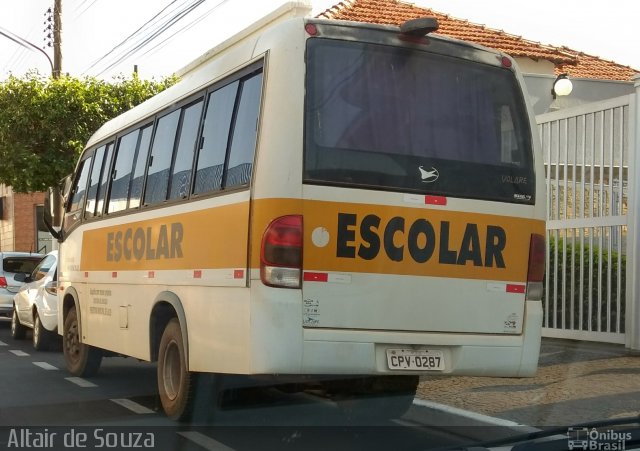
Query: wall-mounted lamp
{"points": [[562, 86]]}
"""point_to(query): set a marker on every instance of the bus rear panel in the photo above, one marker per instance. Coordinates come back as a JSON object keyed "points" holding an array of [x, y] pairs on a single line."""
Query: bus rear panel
{"points": [[414, 242]]}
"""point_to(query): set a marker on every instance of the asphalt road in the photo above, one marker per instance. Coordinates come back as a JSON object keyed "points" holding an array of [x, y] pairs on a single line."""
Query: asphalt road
{"points": [[119, 407]]}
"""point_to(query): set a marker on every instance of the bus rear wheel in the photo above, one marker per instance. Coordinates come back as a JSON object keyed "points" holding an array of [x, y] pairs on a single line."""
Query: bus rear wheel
{"points": [[82, 360], [176, 385], [185, 395]]}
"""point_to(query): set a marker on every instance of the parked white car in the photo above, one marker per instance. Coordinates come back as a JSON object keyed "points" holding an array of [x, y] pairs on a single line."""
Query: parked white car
{"points": [[36, 303]]}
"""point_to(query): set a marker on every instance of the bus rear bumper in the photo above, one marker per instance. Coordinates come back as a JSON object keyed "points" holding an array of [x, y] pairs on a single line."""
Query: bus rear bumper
{"points": [[331, 351]]}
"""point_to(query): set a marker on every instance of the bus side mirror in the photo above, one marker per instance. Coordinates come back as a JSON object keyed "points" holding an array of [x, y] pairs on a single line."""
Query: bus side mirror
{"points": [[53, 212]]}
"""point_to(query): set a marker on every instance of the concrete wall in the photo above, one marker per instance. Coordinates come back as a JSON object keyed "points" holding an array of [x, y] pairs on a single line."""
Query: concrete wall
{"points": [[540, 75], [585, 90]]}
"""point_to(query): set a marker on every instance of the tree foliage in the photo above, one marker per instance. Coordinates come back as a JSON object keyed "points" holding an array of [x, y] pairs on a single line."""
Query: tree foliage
{"points": [[45, 122]]}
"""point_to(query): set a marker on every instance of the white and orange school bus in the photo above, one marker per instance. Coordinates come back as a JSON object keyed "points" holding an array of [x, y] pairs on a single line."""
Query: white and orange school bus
{"points": [[315, 198]]}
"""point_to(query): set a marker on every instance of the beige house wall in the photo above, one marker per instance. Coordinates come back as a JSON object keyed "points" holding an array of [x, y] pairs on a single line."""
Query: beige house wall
{"points": [[529, 66]]}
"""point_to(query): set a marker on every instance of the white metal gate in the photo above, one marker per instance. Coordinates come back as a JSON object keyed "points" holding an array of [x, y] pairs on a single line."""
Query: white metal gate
{"points": [[590, 247]]}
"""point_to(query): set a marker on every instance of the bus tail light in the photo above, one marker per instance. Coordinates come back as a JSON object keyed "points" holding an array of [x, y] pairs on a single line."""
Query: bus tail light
{"points": [[281, 252], [311, 29], [3, 282], [535, 274]]}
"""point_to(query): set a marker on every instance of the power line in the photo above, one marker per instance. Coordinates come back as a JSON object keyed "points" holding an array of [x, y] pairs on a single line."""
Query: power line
{"points": [[128, 37], [19, 56], [80, 5], [186, 27], [15, 60], [167, 24], [86, 9], [24, 43], [172, 21]]}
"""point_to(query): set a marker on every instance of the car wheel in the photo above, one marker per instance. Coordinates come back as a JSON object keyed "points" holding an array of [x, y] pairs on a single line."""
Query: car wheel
{"points": [[41, 336], [82, 359], [18, 331]]}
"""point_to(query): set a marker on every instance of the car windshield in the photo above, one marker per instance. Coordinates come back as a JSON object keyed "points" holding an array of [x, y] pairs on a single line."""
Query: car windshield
{"points": [[43, 267]]}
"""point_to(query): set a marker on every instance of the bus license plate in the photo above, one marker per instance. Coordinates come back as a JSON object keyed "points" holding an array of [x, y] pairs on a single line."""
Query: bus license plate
{"points": [[415, 359]]}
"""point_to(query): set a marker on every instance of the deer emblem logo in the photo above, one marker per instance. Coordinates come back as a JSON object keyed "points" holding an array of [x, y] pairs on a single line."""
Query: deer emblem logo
{"points": [[429, 176]]}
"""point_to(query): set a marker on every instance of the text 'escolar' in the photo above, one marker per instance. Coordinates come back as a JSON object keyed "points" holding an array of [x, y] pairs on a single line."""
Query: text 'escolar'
{"points": [[143, 244], [419, 240]]}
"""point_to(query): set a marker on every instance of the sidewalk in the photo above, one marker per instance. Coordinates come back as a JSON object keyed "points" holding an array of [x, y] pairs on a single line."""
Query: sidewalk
{"points": [[576, 382]]}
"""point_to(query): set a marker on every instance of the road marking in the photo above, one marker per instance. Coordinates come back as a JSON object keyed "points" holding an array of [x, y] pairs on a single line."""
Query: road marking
{"points": [[18, 353], [132, 405], [2, 343], [465, 413], [80, 382], [45, 365], [204, 441]]}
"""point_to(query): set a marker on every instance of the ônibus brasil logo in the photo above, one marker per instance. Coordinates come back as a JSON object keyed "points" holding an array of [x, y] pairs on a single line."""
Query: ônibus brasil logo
{"points": [[592, 439]]}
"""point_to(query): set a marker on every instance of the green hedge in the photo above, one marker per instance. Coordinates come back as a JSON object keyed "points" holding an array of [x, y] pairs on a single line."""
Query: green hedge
{"points": [[574, 254]]}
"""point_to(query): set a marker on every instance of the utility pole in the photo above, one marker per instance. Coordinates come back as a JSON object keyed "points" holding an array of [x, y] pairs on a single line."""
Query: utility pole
{"points": [[57, 38]]}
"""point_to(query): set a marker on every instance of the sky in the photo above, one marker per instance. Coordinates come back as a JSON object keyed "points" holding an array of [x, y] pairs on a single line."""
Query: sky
{"points": [[94, 28]]}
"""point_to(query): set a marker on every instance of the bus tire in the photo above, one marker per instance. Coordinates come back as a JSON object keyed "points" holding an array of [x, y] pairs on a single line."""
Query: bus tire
{"points": [[82, 359], [18, 331], [176, 385], [41, 336]]}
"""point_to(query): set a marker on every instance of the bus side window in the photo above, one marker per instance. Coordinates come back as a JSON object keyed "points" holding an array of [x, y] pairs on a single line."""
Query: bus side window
{"points": [[215, 138], [79, 190], [160, 159], [245, 131], [183, 160], [123, 166], [94, 180], [140, 165], [105, 178]]}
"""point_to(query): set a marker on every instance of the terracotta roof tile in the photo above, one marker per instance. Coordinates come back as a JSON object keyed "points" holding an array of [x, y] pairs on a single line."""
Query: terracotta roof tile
{"points": [[589, 66], [394, 12]]}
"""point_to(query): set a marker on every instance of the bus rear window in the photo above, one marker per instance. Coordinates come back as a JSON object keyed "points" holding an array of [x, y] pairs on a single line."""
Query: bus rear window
{"points": [[399, 119]]}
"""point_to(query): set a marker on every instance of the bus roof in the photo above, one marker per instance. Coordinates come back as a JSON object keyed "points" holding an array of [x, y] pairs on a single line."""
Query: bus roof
{"points": [[286, 11], [192, 79]]}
